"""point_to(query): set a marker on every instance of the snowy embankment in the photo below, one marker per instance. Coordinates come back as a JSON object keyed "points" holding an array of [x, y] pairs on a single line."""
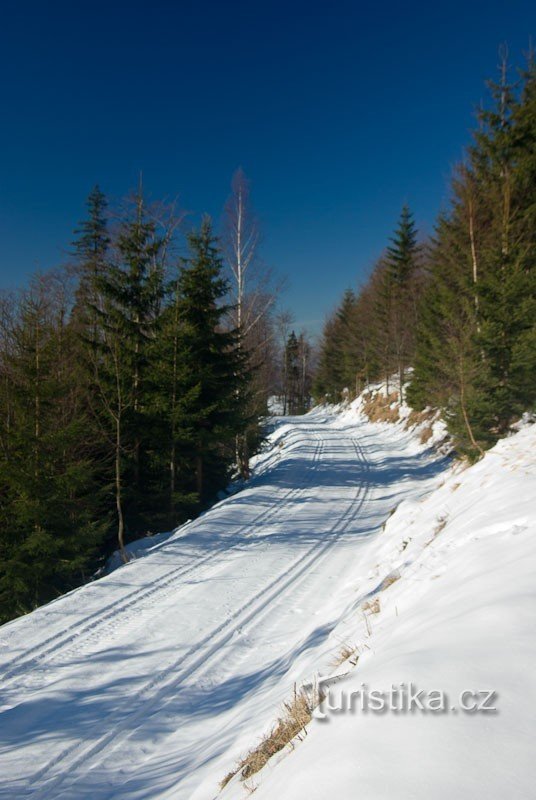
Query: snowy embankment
{"points": [[445, 601], [154, 680]]}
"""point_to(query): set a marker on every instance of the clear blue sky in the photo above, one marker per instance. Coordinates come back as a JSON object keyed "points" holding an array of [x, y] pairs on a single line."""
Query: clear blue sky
{"points": [[338, 112]]}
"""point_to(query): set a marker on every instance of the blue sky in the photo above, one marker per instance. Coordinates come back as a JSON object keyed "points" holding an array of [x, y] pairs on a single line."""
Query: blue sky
{"points": [[338, 112]]}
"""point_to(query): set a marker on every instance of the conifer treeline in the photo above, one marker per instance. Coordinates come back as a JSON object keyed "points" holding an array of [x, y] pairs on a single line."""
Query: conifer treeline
{"points": [[461, 310], [124, 388]]}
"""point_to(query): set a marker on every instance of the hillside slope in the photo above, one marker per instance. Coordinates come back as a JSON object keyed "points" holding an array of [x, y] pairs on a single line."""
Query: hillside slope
{"points": [[457, 614], [152, 681]]}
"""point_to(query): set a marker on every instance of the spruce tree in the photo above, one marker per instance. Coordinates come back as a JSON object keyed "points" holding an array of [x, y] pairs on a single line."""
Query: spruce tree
{"points": [[475, 353], [129, 295], [327, 385], [91, 250], [523, 361], [212, 399], [401, 263], [346, 365], [448, 366], [339, 356], [292, 374], [170, 466], [51, 506]]}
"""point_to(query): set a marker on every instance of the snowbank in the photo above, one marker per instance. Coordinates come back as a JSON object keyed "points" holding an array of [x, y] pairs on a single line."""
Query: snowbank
{"points": [[381, 404], [155, 680], [453, 575]]}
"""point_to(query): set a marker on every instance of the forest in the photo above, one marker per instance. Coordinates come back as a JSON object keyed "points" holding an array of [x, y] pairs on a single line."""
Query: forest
{"points": [[134, 380], [133, 383], [449, 322]]}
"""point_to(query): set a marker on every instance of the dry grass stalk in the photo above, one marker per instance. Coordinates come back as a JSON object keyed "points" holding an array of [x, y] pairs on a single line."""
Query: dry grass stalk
{"points": [[426, 435], [372, 606], [393, 577], [378, 407], [345, 653], [418, 417], [391, 512], [297, 713], [441, 522]]}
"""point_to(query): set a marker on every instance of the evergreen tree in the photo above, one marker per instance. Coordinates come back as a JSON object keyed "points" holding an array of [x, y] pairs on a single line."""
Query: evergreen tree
{"points": [[213, 380], [174, 498], [91, 250], [372, 333], [483, 281], [126, 398], [346, 362], [339, 359], [448, 364], [382, 320], [129, 295], [401, 258], [523, 361], [326, 386], [401, 264], [50, 502], [292, 374]]}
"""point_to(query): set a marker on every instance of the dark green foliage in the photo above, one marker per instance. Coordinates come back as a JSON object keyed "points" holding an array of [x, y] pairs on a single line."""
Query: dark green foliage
{"points": [[294, 403], [401, 255], [371, 334], [399, 296], [130, 291], [296, 374], [91, 251], [212, 381], [52, 515], [463, 311], [475, 356], [120, 402], [338, 359]]}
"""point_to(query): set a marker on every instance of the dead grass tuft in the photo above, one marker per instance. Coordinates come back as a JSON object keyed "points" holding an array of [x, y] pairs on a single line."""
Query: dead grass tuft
{"points": [[393, 577], [418, 417], [426, 433], [224, 781], [377, 407], [441, 522], [391, 512], [347, 652], [297, 713], [372, 606]]}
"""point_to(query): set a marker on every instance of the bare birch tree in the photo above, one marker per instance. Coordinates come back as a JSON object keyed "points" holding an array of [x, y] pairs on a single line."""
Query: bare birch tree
{"points": [[254, 293]]}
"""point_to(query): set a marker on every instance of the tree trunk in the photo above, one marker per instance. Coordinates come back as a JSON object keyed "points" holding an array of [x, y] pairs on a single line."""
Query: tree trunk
{"points": [[118, 492], [173, 449], [465, 414], [199, 477]]}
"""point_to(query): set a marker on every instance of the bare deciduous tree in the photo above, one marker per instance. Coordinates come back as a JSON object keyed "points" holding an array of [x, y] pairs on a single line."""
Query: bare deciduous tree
{"points": [[254, 293]]}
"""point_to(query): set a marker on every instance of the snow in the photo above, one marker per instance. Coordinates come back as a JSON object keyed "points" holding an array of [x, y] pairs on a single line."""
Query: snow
{"points": [[438, 438], [152, 681], [141, 547], [461, 617]]}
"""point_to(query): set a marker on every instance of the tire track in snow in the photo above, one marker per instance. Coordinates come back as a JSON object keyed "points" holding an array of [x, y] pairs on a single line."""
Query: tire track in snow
{"points": [[162, 688], [114, 616]]}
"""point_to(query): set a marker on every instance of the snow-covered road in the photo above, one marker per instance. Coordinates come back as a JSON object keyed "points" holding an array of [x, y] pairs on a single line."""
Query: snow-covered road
{"points": [[150, 682]]}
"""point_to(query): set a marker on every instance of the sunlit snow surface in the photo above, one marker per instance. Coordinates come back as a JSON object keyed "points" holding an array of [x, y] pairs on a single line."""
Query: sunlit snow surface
{"points": [[152, 681]]}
